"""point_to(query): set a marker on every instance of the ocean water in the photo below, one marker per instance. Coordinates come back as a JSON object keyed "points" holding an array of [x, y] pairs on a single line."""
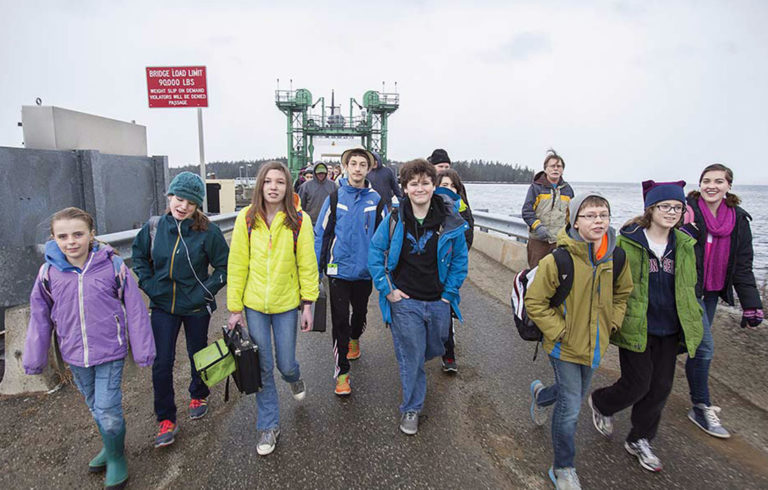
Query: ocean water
{"points": [[626, 201]]}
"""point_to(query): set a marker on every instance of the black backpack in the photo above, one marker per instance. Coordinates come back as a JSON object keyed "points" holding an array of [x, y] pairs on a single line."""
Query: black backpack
{"points": [[527, 328]]}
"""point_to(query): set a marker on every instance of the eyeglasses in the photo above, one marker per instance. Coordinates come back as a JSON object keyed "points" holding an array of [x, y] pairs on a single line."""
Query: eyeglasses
{"points": [[593, 217], [666, 208]]}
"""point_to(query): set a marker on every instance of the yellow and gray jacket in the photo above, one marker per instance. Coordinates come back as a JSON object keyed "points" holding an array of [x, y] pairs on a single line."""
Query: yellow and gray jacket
{"points": [[547, 205], [579, 330], [264, 273]]}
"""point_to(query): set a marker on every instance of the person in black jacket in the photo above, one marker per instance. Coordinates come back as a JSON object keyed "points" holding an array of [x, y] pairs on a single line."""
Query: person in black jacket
{"points": [[724, 263], [383, 181]]}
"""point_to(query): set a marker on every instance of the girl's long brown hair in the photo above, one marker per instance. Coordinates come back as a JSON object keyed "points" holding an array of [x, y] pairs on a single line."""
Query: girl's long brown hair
{"points": [[258, 205], [456, 180], [199, 219], [731, 200]]}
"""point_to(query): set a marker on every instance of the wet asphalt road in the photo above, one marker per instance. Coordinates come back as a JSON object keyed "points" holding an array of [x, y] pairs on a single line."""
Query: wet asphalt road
{"points": [[475, 431]]}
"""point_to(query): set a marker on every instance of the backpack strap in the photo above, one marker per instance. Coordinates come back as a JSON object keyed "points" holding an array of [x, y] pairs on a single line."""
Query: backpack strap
{"points": [[153, 222], [380, 208], [564, 263], [619, 258]]}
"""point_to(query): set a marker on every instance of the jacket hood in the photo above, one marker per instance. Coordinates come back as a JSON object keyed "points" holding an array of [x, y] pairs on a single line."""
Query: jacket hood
{"points": [[345, 187], [541, 178], [569, 238], [55, 257], [377, 160]]}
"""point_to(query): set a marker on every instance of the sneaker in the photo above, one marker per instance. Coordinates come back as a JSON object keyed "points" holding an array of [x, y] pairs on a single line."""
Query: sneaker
{"points": [[354, 350], [705, 417], [538, 414], [449, 365], [298, 390], [409, 423], [198, 407], [167, 433], [602, 423], [564, 478], [342, 385], [267, 441], [642, 449]]}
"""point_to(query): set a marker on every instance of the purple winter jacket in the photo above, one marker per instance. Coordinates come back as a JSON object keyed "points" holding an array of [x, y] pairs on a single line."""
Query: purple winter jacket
{"points": [[92, 326]]}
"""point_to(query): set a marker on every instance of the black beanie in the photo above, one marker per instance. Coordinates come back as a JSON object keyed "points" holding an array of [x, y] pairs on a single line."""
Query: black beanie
{"points": [[439, 156]]}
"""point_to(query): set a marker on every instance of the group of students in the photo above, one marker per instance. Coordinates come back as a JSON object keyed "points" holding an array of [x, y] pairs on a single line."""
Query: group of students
{"points": [[415, 255], [679, 257]]}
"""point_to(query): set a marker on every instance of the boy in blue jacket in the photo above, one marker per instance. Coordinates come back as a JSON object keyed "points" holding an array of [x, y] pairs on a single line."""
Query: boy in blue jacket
{"points": [[418, 261], [344, 229]]}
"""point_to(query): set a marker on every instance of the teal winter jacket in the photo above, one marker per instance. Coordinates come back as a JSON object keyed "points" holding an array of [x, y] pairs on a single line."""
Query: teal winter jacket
{"points": [[452, 260], [171, 269]]}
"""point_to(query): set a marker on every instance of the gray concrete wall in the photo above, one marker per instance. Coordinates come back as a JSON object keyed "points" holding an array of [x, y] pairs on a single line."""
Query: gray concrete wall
{"points": [[121, 192]]}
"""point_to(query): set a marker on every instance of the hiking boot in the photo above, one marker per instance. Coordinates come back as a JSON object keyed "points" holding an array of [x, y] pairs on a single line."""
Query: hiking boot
{"points": [[99, 462], [198, 407], [449, 365], [705, 417], [642, 449], [564, 478], [267, 441], [342, 385], [409, 423], [602, 423], [298, 390], [354, 350], [167, 433], [538, 414]]}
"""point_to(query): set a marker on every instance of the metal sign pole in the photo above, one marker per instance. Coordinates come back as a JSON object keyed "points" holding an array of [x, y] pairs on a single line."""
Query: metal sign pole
{"points": [[202, 152]]}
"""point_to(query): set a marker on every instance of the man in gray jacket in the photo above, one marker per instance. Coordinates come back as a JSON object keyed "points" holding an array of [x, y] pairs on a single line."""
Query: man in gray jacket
{"points": [[313, 192]]}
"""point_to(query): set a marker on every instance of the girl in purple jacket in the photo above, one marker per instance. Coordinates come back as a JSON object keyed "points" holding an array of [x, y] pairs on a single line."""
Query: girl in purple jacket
{"points": [[85, 293]]}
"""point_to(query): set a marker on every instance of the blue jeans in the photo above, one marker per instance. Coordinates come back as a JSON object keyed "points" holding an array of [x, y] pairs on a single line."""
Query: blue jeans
{"points": [[570, 387], [101, 387], [262, 327], [697, 368], [419, 331], [165, 328]]}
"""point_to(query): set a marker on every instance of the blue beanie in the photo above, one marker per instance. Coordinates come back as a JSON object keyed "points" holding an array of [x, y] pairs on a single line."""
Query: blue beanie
{"points": [[188, 186], [654, 192]]}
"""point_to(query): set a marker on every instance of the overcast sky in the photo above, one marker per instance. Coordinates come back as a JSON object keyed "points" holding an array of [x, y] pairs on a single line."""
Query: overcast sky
{"points": [[624, 90]]}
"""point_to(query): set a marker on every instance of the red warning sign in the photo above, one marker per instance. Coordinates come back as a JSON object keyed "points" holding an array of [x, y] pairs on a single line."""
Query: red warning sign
{"points": [[177, 86]]}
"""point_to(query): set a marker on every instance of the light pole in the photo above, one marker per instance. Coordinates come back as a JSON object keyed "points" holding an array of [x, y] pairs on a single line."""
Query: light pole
{"points": [[241, 172], [248, 165]]}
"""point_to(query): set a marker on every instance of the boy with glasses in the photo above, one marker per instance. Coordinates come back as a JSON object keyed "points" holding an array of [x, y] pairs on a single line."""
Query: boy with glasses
{"points": [[545, 209], [576, 333]]}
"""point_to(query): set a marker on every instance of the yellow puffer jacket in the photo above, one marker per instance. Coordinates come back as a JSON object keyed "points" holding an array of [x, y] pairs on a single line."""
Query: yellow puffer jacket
{"points": [[265, 275]]}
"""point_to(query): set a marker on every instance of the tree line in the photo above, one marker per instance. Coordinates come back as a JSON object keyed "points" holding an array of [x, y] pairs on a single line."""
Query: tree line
{"points": [[472, 170]]}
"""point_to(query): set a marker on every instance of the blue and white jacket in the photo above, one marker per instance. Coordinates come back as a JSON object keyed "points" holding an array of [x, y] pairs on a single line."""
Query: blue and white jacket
{"points": [[452, 255], [346, 243]]}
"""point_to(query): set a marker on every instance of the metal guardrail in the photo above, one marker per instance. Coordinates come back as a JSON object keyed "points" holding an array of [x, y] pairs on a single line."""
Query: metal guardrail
{"points": [[508, 225], [122, 240]]}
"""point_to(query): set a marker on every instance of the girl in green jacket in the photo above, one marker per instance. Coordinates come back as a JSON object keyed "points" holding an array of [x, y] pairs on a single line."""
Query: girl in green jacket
{"points": [[662, 312]]}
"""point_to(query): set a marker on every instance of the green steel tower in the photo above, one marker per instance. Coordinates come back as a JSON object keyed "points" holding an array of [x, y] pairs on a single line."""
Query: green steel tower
{"points": [[367, 122]]}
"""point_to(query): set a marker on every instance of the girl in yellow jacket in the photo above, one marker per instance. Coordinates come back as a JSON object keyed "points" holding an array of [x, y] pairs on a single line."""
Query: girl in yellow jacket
{"points": [[272, 271]]}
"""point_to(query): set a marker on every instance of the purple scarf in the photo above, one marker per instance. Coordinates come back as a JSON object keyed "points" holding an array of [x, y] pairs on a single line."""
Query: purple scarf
{"points": [[718, 245]]}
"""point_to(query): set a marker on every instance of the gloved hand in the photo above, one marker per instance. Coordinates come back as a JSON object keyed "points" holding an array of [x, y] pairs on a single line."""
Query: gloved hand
{"points": [[542, 233], [753, 318]]}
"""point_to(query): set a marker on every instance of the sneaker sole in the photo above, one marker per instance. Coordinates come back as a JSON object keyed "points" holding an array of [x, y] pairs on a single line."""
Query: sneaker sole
{"points": [[633, 453], [271, 449], [408, 432], [607, 435], [300, 396], [353, 358], [534, 407], [450, 369], [342, 393], [551, 475], [168, 443], [713, 434]]}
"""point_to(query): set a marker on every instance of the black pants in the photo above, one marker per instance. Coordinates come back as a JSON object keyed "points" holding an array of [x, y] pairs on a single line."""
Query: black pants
{"points": [[645, 384], [342, 294]]}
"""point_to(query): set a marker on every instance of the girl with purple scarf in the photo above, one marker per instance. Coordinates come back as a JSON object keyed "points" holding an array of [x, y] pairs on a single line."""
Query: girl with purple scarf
{"points": [[724, 263]]}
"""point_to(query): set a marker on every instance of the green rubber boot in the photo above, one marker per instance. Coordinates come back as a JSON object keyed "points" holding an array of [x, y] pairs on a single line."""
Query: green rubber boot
{"points": [[99, 462], [117, 469]]}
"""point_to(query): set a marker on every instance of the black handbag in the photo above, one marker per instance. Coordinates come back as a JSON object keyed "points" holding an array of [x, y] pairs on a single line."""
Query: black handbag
{"points": [[247, 374], [319, 310]]}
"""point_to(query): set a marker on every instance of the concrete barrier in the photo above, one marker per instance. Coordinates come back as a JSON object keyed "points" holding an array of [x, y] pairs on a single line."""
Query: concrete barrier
{"points": [[15, 381], [509, 253]]}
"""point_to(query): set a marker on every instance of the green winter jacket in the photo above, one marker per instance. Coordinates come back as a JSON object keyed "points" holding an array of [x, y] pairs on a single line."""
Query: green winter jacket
{"points": [[633, 334], [578, 330], [164, 271]]}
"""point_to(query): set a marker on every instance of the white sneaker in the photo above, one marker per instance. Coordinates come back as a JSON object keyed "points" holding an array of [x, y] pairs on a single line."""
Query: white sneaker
{"points": [[642, 449], [564, 478], [267, 441]]}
